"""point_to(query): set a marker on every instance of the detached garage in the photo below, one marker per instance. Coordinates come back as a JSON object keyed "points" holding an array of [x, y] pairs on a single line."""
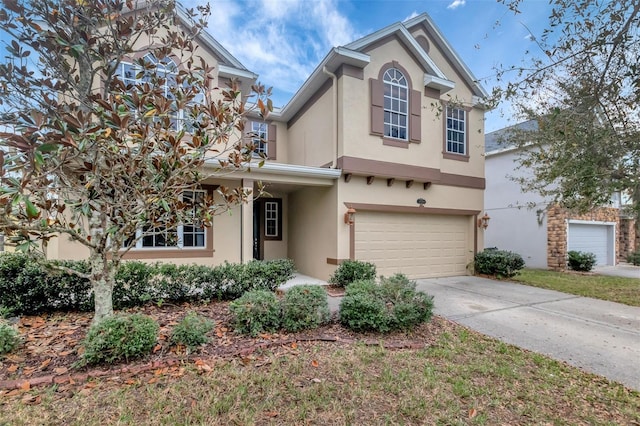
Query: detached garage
{"points": [[593, 237], [418, 245]]}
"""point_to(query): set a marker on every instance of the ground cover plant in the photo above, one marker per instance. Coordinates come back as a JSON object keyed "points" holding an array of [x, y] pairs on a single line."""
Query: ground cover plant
{"points": [[634, 258], [439, 373], [192, 331], [614, 289]]}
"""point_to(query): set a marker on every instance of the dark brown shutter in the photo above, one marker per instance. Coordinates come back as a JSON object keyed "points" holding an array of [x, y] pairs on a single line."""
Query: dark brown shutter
{"points": [[271, 142], [377, 106], [415, 123]]}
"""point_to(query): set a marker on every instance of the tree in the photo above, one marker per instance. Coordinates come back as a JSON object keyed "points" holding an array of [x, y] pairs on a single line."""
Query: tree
{"points": [[101, 156], [583, 90]]}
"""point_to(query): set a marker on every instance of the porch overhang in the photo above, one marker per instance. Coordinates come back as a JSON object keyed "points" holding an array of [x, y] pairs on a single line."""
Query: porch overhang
{"points": [[290, 174]]}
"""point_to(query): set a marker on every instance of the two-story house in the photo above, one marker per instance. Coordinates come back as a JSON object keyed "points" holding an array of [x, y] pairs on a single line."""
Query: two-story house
{"points": [[377, 157]]}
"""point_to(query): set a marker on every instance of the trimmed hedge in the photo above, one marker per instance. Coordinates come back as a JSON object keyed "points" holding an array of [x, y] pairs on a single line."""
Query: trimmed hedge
{"points": [[500, 263], [351, 271], [304, 307], [255, 312], [634, 258], [30, 285]]}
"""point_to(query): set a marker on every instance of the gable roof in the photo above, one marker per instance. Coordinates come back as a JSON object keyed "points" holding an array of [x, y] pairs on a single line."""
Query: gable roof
{"points": [[498, 141], [353, 54]]}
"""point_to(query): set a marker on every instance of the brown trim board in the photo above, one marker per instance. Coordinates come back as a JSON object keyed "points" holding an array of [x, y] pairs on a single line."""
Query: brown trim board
{"points": [[333, 261], [351, 71], [409, 209], [365, 167]]}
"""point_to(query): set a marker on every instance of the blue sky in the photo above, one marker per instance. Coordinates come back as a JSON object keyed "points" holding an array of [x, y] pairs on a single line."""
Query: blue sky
{"points": [[284, 40]]}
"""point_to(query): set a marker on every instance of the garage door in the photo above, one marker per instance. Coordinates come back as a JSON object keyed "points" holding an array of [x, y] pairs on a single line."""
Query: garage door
{"points": [[597, 239], [417, 245]]}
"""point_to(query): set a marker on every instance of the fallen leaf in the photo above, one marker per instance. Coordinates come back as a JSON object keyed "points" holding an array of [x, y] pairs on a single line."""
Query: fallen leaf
{"points": [[271, 413], [314, 363], [44, 364], [314, 380], [156, 348], [152, 380], [25, 386], [12, 368], [31, 399], [294, 345], [129, 382], [472, 413], [60, 370]]}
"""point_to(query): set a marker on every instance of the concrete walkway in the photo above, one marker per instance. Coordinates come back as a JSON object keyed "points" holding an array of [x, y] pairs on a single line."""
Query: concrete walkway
{"points": [[597, 336], [620, 270]]}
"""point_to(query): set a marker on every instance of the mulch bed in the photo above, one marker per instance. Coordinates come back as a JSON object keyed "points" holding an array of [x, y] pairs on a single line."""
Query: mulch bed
{"points": [[52, 344]]}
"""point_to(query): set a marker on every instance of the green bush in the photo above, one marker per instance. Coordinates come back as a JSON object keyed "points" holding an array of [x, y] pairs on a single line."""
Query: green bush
{"points": [[304, 307], [31, 285], [192, 331], [255, 312], [581, 261], [500, 263], [350, 271], [120, 338], [9, 338], [634, 258], [394, 304]]}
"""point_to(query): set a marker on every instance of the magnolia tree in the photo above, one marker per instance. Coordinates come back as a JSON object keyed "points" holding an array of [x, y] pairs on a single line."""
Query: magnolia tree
{"points": [[583, 91], [101, 156]]}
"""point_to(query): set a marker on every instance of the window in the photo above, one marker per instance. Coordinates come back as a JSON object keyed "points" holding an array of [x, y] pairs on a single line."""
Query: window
{"points": [[260, 137], [396, 100], [166, 70], [188, 235], [271, 219], [456, 142]]}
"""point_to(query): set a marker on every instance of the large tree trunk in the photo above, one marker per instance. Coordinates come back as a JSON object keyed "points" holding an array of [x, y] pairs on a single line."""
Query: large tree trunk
{"points": [[102, 281]]}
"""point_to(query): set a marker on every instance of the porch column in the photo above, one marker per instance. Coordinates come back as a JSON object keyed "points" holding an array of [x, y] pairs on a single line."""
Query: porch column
{"points": [[246, 219]]}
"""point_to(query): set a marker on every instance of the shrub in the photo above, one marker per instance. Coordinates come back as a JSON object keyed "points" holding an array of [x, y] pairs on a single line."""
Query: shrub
{"points": [[255, 312], [634, 258], [304, 307], [192, 331], [500, 263], [9, 338], [363, 307], [394, 304], [350, 271], [120, 337], [581, 261]]}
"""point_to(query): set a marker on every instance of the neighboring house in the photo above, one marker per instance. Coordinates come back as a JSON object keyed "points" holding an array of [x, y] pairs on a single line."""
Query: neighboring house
{"points": [[543, 233], [377, 157]]}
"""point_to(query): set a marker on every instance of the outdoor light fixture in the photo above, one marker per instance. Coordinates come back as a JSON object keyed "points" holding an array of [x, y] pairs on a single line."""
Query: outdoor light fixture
{"points": [[349, 216], [421, 202], [483, 222]]}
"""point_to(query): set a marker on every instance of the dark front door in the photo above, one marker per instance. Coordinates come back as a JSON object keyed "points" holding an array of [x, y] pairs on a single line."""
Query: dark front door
{"points": [[258, 242]]}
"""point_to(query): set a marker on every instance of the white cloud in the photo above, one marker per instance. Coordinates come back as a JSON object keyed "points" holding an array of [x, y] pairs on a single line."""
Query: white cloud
{"points": [[456, 3], [281, 40]]}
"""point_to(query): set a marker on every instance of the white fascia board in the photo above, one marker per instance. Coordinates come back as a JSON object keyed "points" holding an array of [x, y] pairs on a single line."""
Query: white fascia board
{"points": [[336, 57], [285, 170], [438, 83], [407, 38], [208, 39], [500, 151], [449, 52], [230, 72]]}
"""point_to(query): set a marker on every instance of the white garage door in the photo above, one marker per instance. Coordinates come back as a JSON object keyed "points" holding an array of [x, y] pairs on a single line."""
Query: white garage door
{"points": [[593, 238], [417, 245]]}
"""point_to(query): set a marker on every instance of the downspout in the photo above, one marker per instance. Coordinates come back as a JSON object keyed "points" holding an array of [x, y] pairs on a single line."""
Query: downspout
{"points": [[334, 162]]}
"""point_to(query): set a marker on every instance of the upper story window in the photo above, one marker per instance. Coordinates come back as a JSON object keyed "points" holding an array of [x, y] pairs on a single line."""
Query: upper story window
{"points": [[456, 142], [260, 132], [396, 101], [166, 71]]}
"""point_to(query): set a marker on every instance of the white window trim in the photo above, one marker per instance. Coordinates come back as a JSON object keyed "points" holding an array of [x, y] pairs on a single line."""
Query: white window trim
{"points": [[398, 112], [464, 131], [275, 219], [262, 147], [180, 236]]}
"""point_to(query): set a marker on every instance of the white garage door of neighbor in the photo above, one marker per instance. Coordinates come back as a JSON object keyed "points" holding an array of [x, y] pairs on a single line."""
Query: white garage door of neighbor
{"points": [[417, 245], [593, 238]]}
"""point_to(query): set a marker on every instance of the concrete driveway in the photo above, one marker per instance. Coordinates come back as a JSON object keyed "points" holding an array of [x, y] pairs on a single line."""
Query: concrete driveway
{"points": [[597, 336], [621, 270]]}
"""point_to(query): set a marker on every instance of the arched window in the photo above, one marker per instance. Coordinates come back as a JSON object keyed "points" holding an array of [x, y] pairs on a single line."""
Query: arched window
{"points": [[396, 104]]}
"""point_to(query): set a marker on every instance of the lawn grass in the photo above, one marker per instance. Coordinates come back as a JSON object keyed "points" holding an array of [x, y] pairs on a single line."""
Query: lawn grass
{"points": [[614, 289], [463, 378]]}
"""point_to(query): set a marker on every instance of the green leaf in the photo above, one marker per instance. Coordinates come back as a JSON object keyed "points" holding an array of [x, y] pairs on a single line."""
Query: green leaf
{"points": [[31, 210]]}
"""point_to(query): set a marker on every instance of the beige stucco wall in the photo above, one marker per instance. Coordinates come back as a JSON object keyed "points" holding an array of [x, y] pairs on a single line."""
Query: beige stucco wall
{"points": [[313, 230], [310, 136]]}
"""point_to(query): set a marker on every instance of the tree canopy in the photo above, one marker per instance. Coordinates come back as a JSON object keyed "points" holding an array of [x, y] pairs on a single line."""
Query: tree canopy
{"points": [[110, 114], [583, 90]]}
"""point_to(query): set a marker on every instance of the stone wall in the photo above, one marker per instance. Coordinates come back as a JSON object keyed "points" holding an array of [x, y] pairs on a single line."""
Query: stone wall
{"points": [[627, 238], [557, 218]]}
